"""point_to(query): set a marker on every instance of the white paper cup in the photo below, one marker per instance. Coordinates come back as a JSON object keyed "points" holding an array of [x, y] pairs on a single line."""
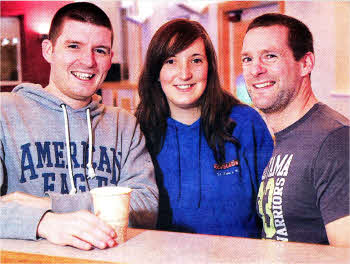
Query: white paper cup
{"points": [[111, 204]]}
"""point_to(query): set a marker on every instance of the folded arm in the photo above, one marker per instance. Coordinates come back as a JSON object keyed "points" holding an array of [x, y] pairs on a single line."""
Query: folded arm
{"points": [[26, 216]]}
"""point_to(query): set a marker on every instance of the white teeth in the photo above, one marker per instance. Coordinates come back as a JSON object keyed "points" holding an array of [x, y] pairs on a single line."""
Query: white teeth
{"points": [[185, 86], [83, 76], [262, 85]]}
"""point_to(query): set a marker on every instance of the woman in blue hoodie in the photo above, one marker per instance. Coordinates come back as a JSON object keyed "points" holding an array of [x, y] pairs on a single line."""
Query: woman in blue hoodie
{"points": [[209, 149]]}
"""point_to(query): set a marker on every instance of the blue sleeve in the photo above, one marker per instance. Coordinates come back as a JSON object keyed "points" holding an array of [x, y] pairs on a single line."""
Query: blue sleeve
{"points": [[256, 142], [263, 145]]}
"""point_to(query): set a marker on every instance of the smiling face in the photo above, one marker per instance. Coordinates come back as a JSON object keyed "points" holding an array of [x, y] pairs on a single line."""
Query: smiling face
{"points": [[272, 75], [80, 60], [183, 77]]}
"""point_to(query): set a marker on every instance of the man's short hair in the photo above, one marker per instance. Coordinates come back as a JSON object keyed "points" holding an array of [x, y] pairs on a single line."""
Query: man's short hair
{"points": [[299, 36], [80, 11]]}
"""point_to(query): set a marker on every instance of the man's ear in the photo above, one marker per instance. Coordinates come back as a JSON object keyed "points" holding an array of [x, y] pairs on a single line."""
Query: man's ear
{"points": [[111, 57], [47, 49], [112, 54], [307, 63]]}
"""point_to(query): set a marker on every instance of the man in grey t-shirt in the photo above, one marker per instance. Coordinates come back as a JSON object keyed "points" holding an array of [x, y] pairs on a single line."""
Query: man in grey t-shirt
{"points": [[304, 193]]}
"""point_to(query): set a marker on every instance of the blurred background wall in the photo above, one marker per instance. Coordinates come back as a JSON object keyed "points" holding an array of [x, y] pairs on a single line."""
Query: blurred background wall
{"points": [[135, 22]]}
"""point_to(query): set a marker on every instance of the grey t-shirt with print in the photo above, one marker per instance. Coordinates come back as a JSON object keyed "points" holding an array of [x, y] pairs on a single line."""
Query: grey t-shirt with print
{"points": [[306, 183]]}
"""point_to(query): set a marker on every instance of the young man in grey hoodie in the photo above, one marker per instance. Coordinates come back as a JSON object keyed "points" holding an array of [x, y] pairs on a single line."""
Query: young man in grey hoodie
{"points": [[59, 142]]}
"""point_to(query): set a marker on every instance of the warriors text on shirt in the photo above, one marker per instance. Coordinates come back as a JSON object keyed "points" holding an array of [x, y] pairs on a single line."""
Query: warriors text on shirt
{"points": [[270, 197]]}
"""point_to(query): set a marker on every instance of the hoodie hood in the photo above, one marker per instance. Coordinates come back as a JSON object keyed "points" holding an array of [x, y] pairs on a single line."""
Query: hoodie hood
{"points": [[39, 94]]}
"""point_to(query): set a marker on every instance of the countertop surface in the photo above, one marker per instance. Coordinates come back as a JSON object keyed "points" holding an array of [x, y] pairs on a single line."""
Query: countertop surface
{"points": [[149, 246]]}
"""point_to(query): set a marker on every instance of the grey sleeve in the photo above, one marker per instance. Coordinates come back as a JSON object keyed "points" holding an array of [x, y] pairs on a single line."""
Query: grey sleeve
{"points": [[18, 221], [66, 203], [138, 173], [332, 176]]}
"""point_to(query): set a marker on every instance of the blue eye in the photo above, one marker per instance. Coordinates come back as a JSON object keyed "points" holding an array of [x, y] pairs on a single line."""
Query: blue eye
{"points": [[246, 59]]}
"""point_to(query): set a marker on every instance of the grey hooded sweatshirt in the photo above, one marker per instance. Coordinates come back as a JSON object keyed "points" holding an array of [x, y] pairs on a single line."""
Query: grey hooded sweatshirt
{"points": [[35, 130]]}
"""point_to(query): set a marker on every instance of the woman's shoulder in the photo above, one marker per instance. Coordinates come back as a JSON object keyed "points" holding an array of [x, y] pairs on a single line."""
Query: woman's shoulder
{"points": [[249, 122], [242, 113]]}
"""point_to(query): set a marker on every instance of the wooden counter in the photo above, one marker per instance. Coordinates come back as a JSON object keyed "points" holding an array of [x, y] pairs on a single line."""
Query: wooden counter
{"points": [[158, 247]]}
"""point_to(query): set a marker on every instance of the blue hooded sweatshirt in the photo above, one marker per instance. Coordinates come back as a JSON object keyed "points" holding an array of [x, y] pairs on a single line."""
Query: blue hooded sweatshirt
{"points": [[199, 196]]}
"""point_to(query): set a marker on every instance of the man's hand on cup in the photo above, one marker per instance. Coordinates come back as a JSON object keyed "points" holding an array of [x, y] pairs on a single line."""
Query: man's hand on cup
{"points": [[80, 229]]}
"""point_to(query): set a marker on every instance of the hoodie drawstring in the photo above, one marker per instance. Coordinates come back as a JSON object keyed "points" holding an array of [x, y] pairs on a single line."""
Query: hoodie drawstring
{"points": [[91, 172], [199, 165], [179, 162], [69, 159]]}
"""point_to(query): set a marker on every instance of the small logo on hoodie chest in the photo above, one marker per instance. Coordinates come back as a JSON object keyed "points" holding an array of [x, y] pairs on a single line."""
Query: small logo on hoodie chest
{"points": [[227, 168]]}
